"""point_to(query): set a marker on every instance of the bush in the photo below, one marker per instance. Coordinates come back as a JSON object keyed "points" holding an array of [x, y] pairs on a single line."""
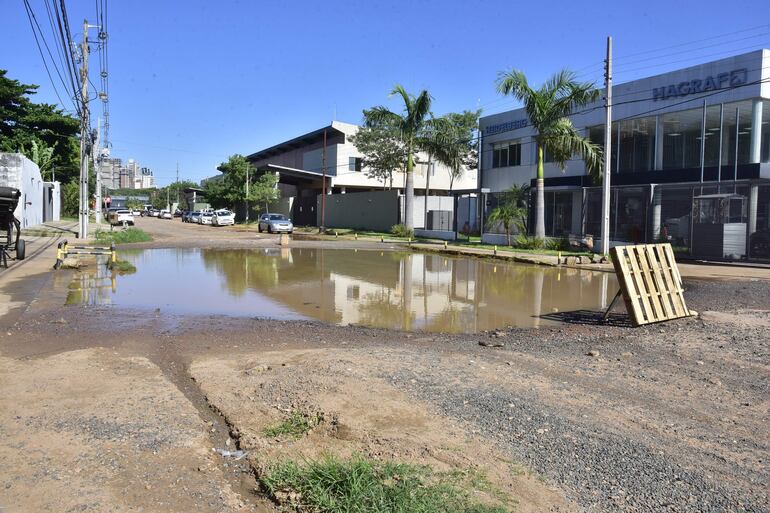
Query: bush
{"points": [[524, 241], [561, 244], [400, 230]]}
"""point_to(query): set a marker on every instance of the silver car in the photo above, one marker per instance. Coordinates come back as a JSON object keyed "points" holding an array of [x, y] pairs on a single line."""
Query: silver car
{"points": [[274, 223]]}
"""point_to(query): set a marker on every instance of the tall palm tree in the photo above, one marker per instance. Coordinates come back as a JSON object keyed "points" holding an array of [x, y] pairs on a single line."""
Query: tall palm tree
{"points": [[410, 124], [547, 109]]}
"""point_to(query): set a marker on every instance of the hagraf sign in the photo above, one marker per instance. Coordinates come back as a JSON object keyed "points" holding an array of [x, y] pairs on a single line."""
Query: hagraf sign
{"points": [[734, 78]]}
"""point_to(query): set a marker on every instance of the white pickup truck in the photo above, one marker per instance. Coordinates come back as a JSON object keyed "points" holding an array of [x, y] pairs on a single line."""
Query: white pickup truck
{"points": [[120, 217]]}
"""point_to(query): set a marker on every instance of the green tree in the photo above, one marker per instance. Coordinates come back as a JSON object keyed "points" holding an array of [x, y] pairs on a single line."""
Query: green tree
{"points": [[70, 198], [548, 109], [450, 139], [264, 190], [24, 123], [409, 125], [512, 210], [383, 150]]}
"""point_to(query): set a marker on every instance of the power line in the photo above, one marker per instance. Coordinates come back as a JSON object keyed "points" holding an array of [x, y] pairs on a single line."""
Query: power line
{"points": [[31, 17]]}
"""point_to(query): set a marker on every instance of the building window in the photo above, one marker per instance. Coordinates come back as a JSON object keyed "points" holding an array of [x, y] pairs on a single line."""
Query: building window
{"points": [[355, 163], [506, 154]]}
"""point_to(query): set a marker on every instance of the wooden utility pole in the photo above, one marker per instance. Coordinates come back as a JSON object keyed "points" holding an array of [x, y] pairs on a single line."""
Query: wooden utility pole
{"points": [[84, 137], [605, 230]]}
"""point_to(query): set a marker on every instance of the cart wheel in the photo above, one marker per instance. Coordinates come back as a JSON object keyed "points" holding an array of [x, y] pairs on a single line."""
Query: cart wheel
{"points": [[21, 249]]}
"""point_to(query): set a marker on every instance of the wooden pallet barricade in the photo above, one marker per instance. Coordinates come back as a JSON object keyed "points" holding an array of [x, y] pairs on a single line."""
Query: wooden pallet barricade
{"points": [[649, 282]]}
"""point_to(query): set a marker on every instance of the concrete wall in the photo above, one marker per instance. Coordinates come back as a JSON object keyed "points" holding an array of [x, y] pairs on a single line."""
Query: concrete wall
{"points": [[19, 172], [377, 210]]}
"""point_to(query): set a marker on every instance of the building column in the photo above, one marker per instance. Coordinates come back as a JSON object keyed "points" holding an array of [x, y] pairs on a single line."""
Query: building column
{"points": [[658, 143], [756, 131], [753, 200], [657, 202]]}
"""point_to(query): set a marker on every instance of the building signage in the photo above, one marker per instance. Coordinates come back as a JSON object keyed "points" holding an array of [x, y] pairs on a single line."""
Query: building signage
{"points": [[505, 127], [725, 80]]}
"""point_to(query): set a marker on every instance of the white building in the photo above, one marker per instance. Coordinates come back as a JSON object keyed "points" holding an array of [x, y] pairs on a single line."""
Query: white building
{"points": [[710, 200], [40, 201], [299, 164]]}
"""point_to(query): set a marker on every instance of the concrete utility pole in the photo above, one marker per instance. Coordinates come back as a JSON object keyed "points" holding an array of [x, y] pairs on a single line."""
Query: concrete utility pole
{"points": [[247, 191], [84, 138], [98, 174], [427, 192], [605, 232]]}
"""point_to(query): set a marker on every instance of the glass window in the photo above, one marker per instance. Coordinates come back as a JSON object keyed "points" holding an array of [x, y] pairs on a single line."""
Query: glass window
{"points": [[742, 130], [354, 163], [628, 213], [596, 136], [506, 154], [681, 139], [711, 149], [637, 145]]}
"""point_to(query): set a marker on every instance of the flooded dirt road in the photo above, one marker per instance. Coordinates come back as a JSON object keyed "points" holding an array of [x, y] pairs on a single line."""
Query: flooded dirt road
{"points": [[384, 289], [110, 408]]}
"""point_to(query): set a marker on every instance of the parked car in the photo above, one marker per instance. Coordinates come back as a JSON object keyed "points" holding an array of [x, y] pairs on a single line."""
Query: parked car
{"points": [[223, 218], [205, 218], [121, 216], [137, 213], [273, 223], [177, 213], [186, 216], [154, 213], [194, 217], [165, 214]]}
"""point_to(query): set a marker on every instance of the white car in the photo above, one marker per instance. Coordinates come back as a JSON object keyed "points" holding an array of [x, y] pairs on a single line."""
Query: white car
{"points": [[118, 217], [223, 218], [165, 214], [205, 218]]}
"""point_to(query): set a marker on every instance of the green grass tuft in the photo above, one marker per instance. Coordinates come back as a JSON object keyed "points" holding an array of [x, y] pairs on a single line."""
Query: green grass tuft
{"points": [[297, 425], [123, 267], [359, 485], [126, 236]]}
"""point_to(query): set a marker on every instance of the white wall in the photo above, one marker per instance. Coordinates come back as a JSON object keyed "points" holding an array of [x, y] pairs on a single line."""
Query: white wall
{"points": [[19, 172]]}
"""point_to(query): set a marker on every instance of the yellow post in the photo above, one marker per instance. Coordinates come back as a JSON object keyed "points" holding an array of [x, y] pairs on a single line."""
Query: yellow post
{"points": [[382, 238], [355, 235], [336, 235], [445, 244], [495, 249]]}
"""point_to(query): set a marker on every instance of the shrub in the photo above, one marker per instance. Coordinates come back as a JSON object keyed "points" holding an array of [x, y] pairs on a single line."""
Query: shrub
{"points": [[560, 244], [122, 236], [295, 426], [526, 242], [400, 230]]}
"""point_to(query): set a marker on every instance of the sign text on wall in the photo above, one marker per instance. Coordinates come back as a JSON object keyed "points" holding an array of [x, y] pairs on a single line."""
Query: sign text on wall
{"points": [[725, 80], [505, 127]]}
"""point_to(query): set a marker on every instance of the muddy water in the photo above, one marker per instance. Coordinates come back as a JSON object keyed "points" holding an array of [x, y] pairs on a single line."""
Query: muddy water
{"points": [[410, 291]]}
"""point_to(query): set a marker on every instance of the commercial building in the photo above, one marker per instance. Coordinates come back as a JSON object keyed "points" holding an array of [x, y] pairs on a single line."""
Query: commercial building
{"points": [[300, 163], [690, 162]]}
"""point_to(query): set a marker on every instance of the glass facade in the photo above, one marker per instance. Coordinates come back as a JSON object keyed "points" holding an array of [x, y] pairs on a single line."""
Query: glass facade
{"points": [[679, 141], [558, 213], [628, 213]]}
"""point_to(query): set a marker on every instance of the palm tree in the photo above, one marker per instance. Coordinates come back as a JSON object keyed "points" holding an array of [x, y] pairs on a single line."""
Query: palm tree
{"points": [[410, 125], [512, 209], [452, 142], [547, 109]]}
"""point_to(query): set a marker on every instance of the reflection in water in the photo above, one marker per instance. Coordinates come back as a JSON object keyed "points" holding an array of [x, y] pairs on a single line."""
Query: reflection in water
{"points": [[409, 291]]}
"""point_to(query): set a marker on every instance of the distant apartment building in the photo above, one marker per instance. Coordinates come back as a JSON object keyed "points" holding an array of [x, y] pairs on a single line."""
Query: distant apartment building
{"points": [[115, 175]]}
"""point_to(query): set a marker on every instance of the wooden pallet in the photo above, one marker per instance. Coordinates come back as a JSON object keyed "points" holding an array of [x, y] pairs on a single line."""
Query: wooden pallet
{"points": [[649, 282]]}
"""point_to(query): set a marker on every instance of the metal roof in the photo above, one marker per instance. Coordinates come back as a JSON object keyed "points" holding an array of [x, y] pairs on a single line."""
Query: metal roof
{"points": [[297, 142]]}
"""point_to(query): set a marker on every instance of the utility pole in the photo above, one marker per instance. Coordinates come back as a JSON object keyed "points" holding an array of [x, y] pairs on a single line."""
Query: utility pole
{"points": [[605, 232], [247, 191], [84, 137], [323, 188], [98, 174], [177, 184]]}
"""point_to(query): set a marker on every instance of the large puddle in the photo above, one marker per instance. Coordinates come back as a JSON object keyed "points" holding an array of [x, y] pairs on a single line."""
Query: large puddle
{"points": [[410, 291]]}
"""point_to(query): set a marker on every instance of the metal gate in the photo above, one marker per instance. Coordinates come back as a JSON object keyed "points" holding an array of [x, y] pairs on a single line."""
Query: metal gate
{"points": [[303, 212]]}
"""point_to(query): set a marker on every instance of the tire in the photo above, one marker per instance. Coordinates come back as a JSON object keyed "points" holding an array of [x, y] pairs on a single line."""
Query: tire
{"points": [[21, 249], [259, 228], [269, 230]]}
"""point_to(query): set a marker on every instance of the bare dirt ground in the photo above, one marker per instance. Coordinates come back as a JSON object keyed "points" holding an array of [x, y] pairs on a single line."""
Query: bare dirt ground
{"points": [[109, 410]]}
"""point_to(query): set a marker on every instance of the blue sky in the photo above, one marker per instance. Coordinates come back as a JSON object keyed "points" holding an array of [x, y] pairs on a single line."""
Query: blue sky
{"points": [[193, 82]]}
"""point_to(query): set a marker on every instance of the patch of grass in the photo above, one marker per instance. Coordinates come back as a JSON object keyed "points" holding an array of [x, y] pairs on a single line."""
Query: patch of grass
{"points": [[523, 250], [123, 267], [126, 236], [332, 485], [297, 425]]}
